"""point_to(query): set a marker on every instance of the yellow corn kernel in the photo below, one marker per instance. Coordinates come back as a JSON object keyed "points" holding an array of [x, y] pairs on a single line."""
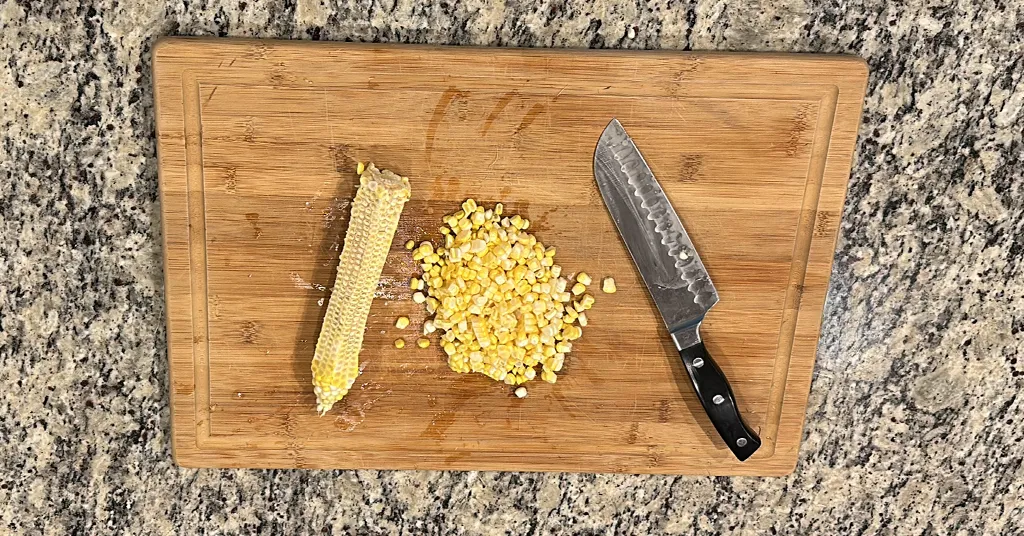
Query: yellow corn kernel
{"points": [[587, 301], [578, 288], [497, 297], [360, 167], [399, 343], [583, 319], [402, 322], [582, 277], [410, 244], [376, 209], [608, 285], [423, 342]]}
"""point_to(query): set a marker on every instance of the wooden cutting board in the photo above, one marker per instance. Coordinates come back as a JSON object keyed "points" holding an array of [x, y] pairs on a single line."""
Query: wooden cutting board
{"points": [[258, 143]]}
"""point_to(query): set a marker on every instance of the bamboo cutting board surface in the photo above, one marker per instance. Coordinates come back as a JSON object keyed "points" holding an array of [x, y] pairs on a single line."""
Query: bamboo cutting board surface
{"points": [[258, 143]]}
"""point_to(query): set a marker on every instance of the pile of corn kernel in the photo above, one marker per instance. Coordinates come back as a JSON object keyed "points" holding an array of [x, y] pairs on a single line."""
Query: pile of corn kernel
{"points": [[498, 298]]}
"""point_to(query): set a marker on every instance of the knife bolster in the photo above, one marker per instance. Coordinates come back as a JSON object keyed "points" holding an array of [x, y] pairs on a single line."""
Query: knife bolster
{"points": [[686, 336]]}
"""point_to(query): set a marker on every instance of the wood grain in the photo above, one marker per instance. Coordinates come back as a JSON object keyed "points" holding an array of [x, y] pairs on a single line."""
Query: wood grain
{"points": [[258, 142]]}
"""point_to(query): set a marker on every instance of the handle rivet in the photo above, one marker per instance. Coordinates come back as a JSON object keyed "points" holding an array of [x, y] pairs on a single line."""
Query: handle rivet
{"points": [[718, 399], [741, 442], [698, 363]]}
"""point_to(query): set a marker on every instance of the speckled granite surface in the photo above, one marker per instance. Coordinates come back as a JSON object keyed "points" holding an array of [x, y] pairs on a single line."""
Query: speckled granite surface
{"points": [[916, 419]]}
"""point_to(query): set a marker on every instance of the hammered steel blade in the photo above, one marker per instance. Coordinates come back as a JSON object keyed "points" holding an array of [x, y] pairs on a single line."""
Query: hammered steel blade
{"points": [[656, 239]]}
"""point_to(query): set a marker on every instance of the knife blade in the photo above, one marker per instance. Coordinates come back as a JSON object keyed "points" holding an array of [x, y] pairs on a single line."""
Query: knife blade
{"points": [[672, 270]]}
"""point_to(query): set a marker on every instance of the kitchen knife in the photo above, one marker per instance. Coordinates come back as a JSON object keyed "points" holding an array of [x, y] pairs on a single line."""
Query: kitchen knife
{"points": [[673, 273]]}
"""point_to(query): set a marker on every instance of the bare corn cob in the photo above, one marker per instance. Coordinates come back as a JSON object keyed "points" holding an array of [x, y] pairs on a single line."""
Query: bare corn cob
{"points": [[375, 212]]}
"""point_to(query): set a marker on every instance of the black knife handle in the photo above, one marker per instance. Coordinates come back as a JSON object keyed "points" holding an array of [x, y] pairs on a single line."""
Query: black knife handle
{"points": [[716, 396]]}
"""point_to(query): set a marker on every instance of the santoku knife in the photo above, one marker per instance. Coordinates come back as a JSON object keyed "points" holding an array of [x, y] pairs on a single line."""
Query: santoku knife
{"points": [[673, 273]]}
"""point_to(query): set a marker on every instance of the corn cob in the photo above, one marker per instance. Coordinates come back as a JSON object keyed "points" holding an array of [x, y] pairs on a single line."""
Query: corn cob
{"points": [[375, 211]]}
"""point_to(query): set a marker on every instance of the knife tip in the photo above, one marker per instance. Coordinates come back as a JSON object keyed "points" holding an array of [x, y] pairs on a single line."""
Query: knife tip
{"points": [[614, 128], [613, 133]]}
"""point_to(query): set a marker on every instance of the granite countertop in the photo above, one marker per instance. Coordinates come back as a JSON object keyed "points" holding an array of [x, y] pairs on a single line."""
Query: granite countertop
{"points": [[915, 423]]}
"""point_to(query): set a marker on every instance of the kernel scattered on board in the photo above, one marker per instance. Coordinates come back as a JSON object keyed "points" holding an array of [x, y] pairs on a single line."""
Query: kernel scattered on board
{"points": [[402, 322], [423, 342], [375, 212], [521, 392], [498, 297], [608, 286], [399, 343]]}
